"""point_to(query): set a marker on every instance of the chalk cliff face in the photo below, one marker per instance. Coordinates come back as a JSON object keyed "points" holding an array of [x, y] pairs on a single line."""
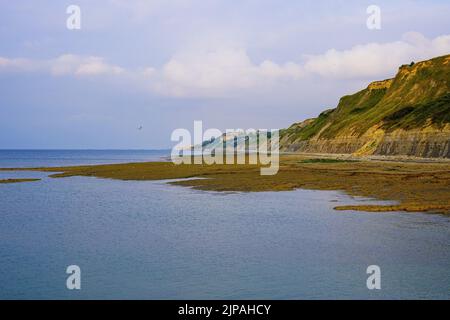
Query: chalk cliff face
{"points": [[407, 115]]}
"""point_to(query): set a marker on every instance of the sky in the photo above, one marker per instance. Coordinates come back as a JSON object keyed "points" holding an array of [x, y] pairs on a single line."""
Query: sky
{"points": [[137, 70]]}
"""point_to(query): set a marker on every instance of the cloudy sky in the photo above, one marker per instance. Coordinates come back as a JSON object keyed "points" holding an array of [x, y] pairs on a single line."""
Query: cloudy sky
{"points": [[161, 64]]}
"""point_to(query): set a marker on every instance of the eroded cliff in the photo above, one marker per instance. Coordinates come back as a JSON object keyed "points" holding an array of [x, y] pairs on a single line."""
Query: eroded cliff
{"points": [[407, 115]]}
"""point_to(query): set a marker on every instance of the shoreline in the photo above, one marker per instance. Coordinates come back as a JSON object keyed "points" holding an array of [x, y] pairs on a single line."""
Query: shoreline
{"points": [[416, 186], [390, 158], [19, 180]]}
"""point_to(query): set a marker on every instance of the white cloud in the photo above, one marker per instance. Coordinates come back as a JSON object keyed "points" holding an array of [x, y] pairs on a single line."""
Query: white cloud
{"points": [[67, 64], [212, 73], [17, 64], [208, 73], [219, 72], [377, 60]]}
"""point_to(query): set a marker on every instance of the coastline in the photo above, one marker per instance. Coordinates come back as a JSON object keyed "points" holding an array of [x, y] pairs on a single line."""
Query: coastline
{"points": [[5, 181], [417, 186]]}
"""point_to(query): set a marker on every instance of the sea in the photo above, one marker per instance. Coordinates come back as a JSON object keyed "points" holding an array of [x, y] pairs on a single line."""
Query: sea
{"points": [[153, 240]]}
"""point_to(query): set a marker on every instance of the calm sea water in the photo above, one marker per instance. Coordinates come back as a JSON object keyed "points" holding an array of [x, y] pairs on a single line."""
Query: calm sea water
{"points": [[37, 158], [150, 240]]}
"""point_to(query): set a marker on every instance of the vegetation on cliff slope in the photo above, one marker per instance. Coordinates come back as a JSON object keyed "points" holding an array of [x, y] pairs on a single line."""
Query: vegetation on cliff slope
{"points": [[418, 96]]}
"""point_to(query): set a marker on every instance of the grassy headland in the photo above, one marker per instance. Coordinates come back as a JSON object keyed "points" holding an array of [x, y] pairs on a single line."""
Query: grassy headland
{"points": [[416, 186]]}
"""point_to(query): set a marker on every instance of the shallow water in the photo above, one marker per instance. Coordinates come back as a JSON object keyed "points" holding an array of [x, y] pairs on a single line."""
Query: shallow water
{"points": [[147, 239]]}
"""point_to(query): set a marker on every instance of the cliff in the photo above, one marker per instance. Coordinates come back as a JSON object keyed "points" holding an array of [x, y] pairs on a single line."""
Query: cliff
{"points": [[407, 115]]}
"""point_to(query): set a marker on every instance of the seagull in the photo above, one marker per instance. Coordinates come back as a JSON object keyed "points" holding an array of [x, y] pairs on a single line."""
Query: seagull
{"points": [[140, 128]]}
